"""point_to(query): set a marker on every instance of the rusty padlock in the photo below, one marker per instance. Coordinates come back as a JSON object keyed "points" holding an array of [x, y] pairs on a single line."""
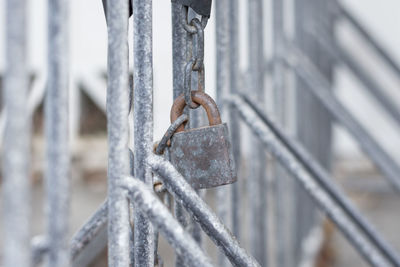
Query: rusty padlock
{"points": [[202, 155]]}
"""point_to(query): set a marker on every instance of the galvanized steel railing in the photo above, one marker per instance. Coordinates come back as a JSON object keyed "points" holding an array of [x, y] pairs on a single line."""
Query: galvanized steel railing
{"points": [[132, 215]]}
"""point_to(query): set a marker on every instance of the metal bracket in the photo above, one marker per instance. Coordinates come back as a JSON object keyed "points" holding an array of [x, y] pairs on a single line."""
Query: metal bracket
{"points": [[201, 7]]}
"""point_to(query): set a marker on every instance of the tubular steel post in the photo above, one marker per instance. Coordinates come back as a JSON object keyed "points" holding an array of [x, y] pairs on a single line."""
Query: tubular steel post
{"points": [[295, 168], [143, 122], [211, 224], [233, 120], [319, 87], [311, 115], [257, 158], [223, 193], [195, 120], [117, 118], [178, 49], [326, 182], [179, 38], [284, 187], [305, 123], [16, 148], [159, 215], [56, 126]]}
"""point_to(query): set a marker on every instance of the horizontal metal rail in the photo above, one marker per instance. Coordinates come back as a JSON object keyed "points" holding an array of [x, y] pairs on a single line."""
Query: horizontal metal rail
{"points": [[156, 212], [210, 223], [322, 177], [319, 87], [341, 55], [371, 40], [306, 180]]}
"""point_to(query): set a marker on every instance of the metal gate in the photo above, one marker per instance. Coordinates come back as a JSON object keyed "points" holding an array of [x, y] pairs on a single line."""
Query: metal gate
{"points": [[147, 196]]}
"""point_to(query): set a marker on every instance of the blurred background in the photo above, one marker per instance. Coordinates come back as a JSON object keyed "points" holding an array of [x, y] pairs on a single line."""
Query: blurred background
{"points": [[88, 58]]}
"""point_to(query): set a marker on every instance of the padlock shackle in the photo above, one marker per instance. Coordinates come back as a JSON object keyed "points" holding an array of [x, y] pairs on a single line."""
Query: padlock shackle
{"points": [[200, 98]]}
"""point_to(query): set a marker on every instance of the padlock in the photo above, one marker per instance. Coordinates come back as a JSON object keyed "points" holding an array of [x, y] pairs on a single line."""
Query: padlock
{"points": [[202, 155]]}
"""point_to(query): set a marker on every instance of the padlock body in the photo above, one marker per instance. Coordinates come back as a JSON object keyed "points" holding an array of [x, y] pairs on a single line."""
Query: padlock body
{"points": [[204, 156]]}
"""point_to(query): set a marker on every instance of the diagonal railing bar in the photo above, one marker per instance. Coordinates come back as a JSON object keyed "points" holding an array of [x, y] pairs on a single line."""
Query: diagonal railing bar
{"points": [[320, 196], [323, 178], [208, 220], [85, 244], [319, 87], [156, 212], [371, 40], [341, 55], [91, 238]]}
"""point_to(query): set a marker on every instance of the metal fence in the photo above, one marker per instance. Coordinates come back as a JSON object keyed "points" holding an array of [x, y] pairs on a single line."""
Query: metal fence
{"points": [[268, 158]]}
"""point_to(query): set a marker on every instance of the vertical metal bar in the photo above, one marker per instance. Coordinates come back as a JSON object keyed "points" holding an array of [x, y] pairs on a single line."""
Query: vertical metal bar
{"points": [[195, 120], [117, 117], [311, 115], [16, 151], [233, 119], [143, 121], [257, 159], [284, 185], [178, 50], [56, 125], [304, 118], [179, 42], [224, 193]]}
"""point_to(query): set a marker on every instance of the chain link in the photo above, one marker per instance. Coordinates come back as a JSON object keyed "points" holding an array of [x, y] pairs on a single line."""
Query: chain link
{"points": [[185, 22], [196, 54]]}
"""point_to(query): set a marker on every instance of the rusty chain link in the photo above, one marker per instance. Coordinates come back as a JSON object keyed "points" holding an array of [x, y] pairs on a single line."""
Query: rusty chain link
{"points": [[188, 27], [196, 54]]}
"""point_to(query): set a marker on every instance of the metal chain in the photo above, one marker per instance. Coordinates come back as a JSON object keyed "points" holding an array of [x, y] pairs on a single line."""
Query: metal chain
{"points": [[188, 27], [196, 63]]}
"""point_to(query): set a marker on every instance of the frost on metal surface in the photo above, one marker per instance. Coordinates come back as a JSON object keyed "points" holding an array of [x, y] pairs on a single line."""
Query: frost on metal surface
{"points": [[56, 127], [325, 202], [210, 223], [143, 122], [155, 211], [117, 126], [16, 149]]}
